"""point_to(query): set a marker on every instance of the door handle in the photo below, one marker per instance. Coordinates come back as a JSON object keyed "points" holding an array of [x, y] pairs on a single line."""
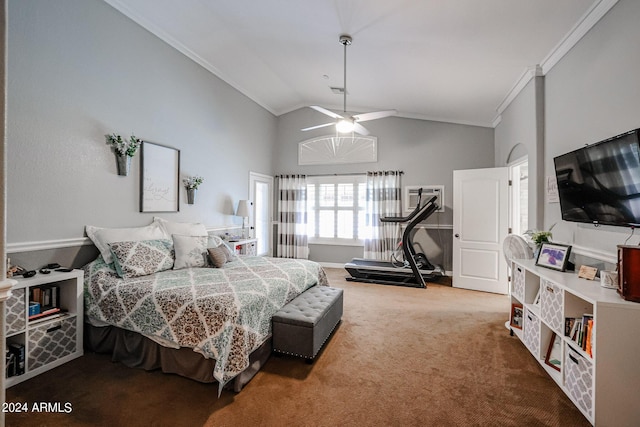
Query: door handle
{"points": [[457, 235]]}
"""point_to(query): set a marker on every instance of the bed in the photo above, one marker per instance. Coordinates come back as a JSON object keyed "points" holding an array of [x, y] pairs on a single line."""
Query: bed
{"points": [[205, 323]]}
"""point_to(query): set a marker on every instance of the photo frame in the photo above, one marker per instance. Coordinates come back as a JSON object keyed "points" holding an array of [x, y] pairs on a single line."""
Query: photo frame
{"points": [[554, 256], [517, 316], [554, 352], [159, 178]]}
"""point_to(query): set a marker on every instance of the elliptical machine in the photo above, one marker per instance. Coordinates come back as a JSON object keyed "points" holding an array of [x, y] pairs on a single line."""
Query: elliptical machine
{"points": [[416, 267]]}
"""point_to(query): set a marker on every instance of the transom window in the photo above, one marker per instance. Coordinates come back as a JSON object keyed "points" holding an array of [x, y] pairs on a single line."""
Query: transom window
{"points": [[336, 209]]}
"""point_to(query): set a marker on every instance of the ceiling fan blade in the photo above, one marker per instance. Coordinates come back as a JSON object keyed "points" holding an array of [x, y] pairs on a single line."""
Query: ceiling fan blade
{"points": [[317, 127], [326, 112], [374, 115], [358, 128]]}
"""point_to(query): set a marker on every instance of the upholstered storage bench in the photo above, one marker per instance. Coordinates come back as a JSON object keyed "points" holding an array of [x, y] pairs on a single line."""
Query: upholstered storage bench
{"points": [[301, 327]]}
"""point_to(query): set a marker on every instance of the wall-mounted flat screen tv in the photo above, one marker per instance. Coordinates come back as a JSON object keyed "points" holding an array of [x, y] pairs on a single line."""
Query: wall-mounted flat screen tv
{"points": [[600, 183]]}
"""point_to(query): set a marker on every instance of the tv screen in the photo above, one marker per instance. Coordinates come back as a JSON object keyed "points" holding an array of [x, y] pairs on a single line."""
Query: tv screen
{"points": [[600, 183]]}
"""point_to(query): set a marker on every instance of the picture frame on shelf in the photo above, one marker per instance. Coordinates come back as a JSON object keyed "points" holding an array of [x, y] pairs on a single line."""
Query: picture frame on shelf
{"points": [[554, 353], [517, 316], [554, 256]]}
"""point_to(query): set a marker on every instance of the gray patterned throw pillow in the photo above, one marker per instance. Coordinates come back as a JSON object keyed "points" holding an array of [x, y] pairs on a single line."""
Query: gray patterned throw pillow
{"points": [[141, 258]]}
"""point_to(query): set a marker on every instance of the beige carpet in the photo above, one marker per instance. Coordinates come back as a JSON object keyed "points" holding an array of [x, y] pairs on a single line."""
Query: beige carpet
{"points": [[400, 357]]}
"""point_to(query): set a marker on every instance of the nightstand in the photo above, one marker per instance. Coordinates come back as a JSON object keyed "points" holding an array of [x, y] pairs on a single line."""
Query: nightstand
{"points": [[245, 246], [44, 341]]}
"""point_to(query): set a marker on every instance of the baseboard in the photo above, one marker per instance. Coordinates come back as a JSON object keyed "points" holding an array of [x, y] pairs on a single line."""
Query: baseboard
{"points": [[331, 264]]}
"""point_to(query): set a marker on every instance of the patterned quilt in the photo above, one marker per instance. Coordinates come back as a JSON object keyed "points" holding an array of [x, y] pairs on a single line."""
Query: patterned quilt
{"points": [[223, 313]]}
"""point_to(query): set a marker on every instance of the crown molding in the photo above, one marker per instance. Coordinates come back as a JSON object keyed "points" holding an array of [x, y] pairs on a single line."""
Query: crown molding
{"points": [[587, 22], [526, 76], [584, 24]]}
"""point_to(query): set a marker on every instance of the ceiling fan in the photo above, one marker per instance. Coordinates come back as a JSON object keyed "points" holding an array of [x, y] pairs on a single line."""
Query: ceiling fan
{"points": [[346, 123]]}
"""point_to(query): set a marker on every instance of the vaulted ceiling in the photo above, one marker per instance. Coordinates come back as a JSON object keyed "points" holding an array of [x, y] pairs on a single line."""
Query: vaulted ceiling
{"points": [[448, 60]]}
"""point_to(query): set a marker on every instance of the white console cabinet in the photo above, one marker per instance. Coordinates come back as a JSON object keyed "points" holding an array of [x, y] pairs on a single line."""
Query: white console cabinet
{"points": [[604, 384], [49, 341]]}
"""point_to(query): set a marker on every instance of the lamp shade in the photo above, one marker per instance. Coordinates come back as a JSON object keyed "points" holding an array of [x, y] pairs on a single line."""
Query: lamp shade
{"points": [[243, 208]]}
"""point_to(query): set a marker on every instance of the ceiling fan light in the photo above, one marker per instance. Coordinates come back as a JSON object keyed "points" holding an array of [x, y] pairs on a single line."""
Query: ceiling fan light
{"points": [[345, 126]]}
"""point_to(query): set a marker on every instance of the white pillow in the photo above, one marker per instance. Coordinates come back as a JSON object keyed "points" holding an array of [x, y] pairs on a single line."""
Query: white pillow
{"points": [[101, 237], [191, 251], [183, 228]]}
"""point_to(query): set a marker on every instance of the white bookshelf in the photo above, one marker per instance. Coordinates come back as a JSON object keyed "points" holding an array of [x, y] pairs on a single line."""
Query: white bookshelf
{"points": [[603, 385], [48, 342]]}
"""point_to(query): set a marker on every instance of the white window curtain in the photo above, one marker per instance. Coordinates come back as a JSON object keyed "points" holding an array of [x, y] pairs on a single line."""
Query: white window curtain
{"points": [[292, 217], [383, 199]]}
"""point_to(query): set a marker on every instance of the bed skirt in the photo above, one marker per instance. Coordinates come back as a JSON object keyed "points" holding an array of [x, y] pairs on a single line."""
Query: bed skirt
{"points": [[137, 351]]}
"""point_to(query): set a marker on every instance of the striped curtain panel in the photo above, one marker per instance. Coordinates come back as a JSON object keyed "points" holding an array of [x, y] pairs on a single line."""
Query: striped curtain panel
{"points": [[383, 199], [292, 217]]}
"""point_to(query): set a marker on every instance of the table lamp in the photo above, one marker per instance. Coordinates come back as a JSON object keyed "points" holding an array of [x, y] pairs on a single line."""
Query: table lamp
{"points": [[243, 211]]}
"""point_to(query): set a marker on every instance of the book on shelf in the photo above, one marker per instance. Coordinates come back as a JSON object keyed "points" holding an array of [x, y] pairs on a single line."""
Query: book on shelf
{"points": [[45, 313], [10, 364], [18, 351], [577, 325], [585, 324], [589, 337], [49, 317], [580, 330], [48, 296], [568, 325]]}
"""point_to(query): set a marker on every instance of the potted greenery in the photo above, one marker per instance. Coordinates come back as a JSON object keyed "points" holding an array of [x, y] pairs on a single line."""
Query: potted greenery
{"points": [[191, 184], [539, 237], [124, 151]]}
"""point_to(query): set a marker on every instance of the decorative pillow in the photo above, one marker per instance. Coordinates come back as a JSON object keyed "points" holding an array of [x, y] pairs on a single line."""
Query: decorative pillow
{"points": [[141, 258], [191, 251], [217, 242], [218, 256], [101, 237], [231, 256], [182, 228]]}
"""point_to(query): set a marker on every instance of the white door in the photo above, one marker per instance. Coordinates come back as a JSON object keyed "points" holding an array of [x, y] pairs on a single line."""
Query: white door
{"points": [[480, 224], [261, 193]]}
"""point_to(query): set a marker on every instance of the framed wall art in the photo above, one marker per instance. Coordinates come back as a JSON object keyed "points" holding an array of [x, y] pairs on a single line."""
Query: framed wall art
{"points": [[159, 178]]}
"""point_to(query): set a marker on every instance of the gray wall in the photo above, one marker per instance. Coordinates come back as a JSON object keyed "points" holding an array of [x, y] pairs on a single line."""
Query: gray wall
{"points": [[589, 95], [78, 70], [521, 133], [427, 151], [592, 94]]}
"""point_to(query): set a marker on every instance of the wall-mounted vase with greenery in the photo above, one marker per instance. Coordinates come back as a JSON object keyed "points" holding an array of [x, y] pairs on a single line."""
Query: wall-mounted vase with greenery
{"points": [[124, 151], [191, 184]]}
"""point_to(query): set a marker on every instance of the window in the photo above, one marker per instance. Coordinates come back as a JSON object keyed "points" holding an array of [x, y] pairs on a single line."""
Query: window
{"points": [[336, 209]]}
